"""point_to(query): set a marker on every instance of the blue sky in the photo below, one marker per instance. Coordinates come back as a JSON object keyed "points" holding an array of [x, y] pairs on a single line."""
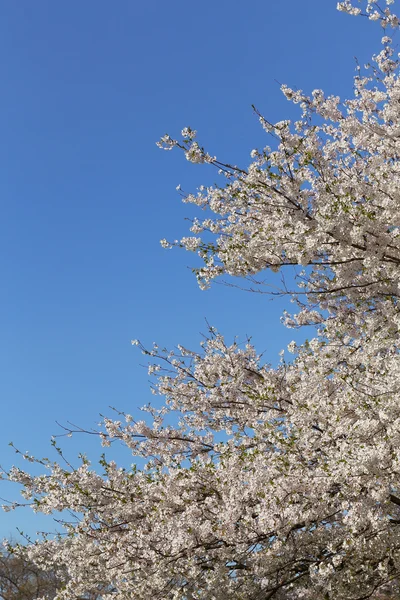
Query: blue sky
{"points": [[87, 90]]}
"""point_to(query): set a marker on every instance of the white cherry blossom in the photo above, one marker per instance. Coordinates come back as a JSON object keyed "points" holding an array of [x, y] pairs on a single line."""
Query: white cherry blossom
{"points": [[272, 483]]}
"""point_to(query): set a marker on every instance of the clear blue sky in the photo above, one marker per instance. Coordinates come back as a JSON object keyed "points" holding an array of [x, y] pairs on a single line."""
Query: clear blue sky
{"points": [[87, 89]]}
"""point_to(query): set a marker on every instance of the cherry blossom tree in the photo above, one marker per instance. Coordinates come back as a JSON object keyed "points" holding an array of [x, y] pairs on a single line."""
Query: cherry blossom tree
{"points": [[281, 482], [21, 579]]}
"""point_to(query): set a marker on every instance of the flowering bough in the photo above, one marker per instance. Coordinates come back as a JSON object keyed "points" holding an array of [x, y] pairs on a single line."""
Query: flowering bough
{"points": [[282, 482]]}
